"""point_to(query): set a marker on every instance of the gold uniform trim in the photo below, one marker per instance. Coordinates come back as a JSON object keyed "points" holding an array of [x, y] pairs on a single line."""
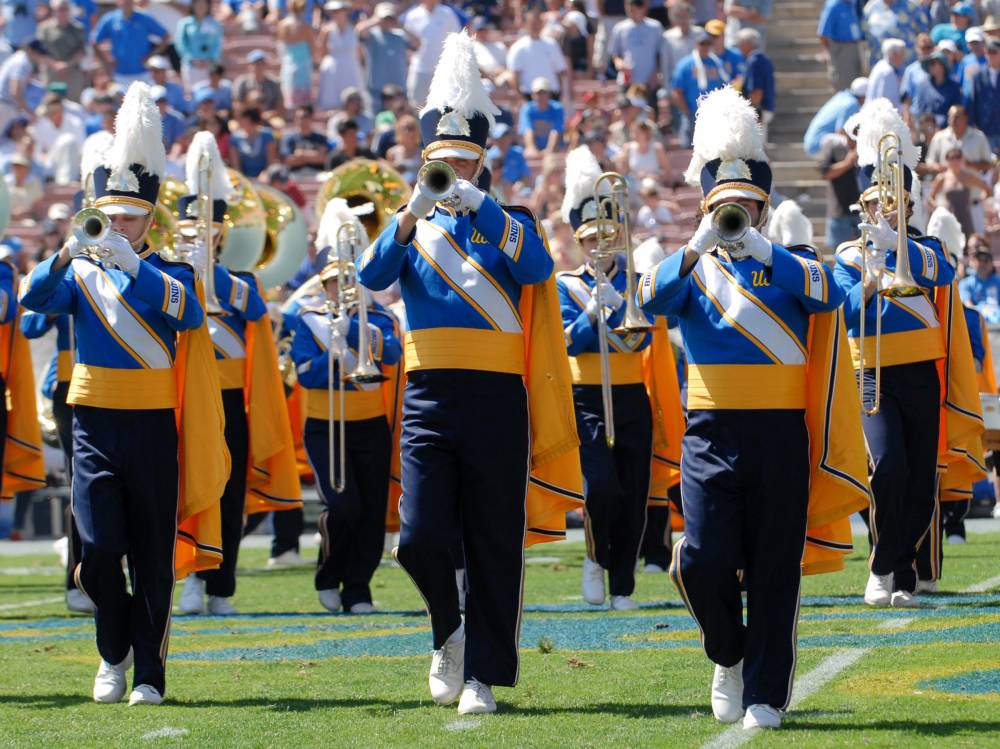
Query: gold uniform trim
{"points": [[428, 153], [626, 369], [358, 404], [464, 348], [123, 200], [901, 348], [231, 373], [124, 389], [746, 386], [64, 366]]}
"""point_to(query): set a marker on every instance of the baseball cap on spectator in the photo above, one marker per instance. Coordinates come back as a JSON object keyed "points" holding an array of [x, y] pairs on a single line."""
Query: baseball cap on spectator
{"points": [[256, 55], [479, 23], [947, 45], [14, 243], [351, 92], [277, 173], [974, 34], [157, 93], [20, 160], [963, 9], [385, 10], [701, 36], [202, 95], [59, 212], [936, 57], [50, 227], [344, 125], [14, 122], [541, 83], [500, 130], [859, 87], [57, 87], [648, 186], [990, 23], [37, 45], [158, 62], [716, 27], [335, 5]]}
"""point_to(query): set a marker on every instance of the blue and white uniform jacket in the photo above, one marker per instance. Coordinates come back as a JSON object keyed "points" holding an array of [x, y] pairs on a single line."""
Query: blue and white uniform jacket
{"points": [[239, 297], [60, 369]]}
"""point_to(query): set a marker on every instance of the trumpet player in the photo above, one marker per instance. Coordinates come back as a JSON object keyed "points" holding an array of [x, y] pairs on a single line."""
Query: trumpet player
{"points": [[468, 269], [132, 312], [773, 438], [898, 287], [355, 490]]}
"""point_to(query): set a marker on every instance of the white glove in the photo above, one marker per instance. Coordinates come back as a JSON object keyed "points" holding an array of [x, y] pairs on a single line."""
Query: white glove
{"points": [[609, 296], [196, 255], [122, 254], [881, 234], [468, 196], [420, 205], [876, 264], [74, 247], [341, 325], [757, 246], [705, 237]]}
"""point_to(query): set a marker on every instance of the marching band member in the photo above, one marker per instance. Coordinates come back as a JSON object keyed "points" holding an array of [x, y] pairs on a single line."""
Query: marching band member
{"points": [[918, 332], [248, 375], [773, 444], [475, 277], [616, 477], [352, 527], [148, 466]]}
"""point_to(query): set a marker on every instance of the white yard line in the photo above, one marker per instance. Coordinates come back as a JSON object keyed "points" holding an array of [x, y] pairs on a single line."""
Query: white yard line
{"points": [[984, 586], [897, 623], [29, 604]]}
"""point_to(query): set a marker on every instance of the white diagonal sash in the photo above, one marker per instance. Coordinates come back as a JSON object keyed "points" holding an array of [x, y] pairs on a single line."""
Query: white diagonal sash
{"points": [[225, 339], [471, 282], [747, 314], [919, 304], [319, 325], [580, 293], [122, 321]]}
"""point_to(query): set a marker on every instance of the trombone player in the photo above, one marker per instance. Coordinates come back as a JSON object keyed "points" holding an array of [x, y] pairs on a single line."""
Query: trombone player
{"points": [[337, 349], [613, 415]]}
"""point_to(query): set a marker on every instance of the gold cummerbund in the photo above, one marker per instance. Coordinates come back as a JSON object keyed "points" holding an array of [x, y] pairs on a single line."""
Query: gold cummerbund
{"points": [[626, 369], [125, 389], [746, 386], [64, 366], [465, 348], [231, 373], [358, 404], [900, 348]]}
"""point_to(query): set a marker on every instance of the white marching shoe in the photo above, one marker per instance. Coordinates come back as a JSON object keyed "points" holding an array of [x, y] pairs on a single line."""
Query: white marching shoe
{"points": [[110, 682], [762, 716], [903, 599], [362, 607], [286, 560], [79, 602], [878, 592], [330, 599], [476, 698], [727, 693], [926, 586], [145, 695], [593, 582], [448, 668], [623, 603], [954, 538], [220, 606], [193, 595], [460, 582]]}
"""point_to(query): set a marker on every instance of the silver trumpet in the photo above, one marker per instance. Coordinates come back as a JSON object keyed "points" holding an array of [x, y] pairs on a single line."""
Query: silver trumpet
{"points": [[91, 226], [731, 222], [436, 179]]}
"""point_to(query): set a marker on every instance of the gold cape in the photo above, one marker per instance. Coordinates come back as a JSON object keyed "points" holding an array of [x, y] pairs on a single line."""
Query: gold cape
{"points": [[23, 463]]}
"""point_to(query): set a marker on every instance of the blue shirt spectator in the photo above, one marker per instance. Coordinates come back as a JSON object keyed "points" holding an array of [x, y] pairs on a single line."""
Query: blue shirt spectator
{"points": [[252, 148], [758, 78], [893, 19], [83, 11], [936, 93], [132, 37], [198, 39], [513, 166], [541, 117], [635, 44], [982, 288], [19, 20], [962, 16], [215, 88], [159, 68], [839, 21], [983, 100], [831, 118], [697, 74]]}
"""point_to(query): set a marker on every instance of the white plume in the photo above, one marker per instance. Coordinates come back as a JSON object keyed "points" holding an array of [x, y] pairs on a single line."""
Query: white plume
{"points": [[945, 227], [457, 83], [138, 139], [853, 123], [581, 171], [337, 213], [725, 127], [96, 148], [789, 226], [878, 117], [204, 142]]}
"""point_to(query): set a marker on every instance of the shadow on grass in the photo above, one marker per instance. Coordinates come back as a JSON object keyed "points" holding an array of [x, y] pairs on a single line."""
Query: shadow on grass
{"points": [[618, 709], [799, 722]]}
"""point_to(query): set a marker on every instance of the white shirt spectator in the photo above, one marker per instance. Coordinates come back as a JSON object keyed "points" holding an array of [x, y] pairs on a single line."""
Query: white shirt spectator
{"points": [[536, 58], [884, 81], [431, 27], [491, 56], [46, 135]]}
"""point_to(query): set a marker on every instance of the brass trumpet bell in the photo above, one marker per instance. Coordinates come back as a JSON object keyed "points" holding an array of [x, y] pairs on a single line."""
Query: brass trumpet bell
{"points": [[731, 222]]}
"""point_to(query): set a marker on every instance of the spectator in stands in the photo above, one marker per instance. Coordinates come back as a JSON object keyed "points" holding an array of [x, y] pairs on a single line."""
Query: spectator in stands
{"points": [[578, 44], [386, 44], [58, 137], [430, 22], [124, 39], [12, 134], [278, 177], [341, 64], [351, 146], [832, 116], [506, 160], [694, 76], [303, 150], [681, 34], [174, 123], [937, 93], [217, 88], [295, 43], [549, 188], [352, 108], [66, 44], [491, 53], [609, 14], [982, 288], [654, 213], [758, 76], [198, 43], [643, 156], [914, 73], [969, 65], [257, 81], [177, 154], [839, 32], [394, 107], [406, 156], [746, 14], [953, 56], [884, 79], [631, 107], [838, 163], [252, 146], [159, 75], [17, 92], [956, 188], [983, 100], [636, 47], [19, 21], [24, 186], [895, 19], [962, 15], [732, 60], [60, 214], [532, 57], [975, 150], [541, 122]]}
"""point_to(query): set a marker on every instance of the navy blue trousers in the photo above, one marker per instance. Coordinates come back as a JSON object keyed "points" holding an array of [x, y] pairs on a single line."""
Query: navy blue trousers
{"points": [[125, 502], [615, 480], [353, 524], [465, 450], [222, 580], [287, 526], [745, 489], [62, 414], [902, 448], [948, 520], [655, 547]]}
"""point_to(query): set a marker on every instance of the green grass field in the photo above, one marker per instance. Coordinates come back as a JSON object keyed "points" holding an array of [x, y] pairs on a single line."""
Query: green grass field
{"points": [[283, 675]]}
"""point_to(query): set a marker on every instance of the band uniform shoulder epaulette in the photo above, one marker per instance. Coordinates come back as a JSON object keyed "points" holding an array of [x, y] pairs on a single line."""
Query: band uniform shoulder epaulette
{"points": [[851, 244], [180, 263], [520, 209], [575, 272], [806, 249]]}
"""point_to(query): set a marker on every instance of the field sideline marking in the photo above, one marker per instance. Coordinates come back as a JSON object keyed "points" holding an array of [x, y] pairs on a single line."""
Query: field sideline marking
{"points": [[29, 604], [984, 586]]}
